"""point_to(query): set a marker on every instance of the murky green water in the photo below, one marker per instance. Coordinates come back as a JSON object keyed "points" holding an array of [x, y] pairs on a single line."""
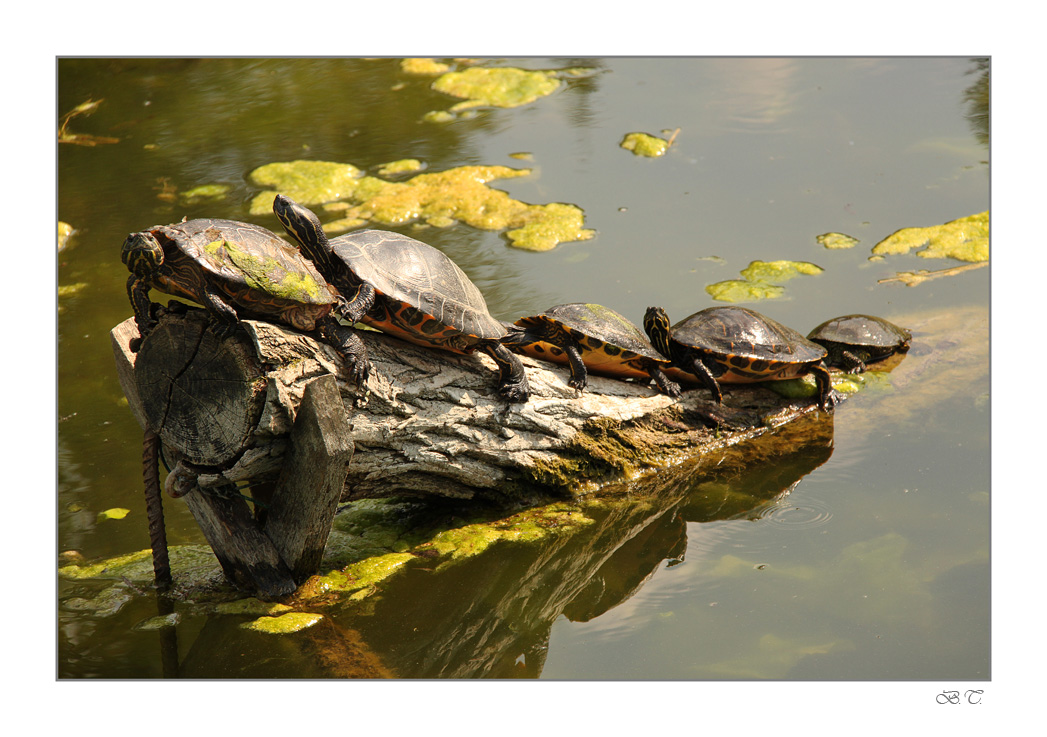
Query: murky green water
{"points": [[874, 566]]}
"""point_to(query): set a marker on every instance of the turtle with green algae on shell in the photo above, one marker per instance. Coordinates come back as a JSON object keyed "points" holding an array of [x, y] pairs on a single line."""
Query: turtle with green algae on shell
{"points": [[405, 288], [590, 337], [856, 340], [737, 345], [235, 269]]}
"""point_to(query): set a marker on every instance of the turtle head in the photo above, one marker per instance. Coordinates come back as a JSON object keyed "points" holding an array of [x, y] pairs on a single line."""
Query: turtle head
{"points": [[304, 227], [142, 254], [656, 325]]}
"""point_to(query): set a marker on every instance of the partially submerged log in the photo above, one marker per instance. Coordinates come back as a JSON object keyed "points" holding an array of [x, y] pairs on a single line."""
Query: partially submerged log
{"points": [[273, 409], [427, 422]]}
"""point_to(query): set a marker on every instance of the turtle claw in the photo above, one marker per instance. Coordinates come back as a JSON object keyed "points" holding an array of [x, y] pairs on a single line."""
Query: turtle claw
{"points": [[514, 392]]}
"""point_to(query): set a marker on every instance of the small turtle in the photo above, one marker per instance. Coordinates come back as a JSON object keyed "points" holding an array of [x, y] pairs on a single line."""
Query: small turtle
{"points": [[737, 345], [593, 337], [233, 269], [855, 340], [406, 288]]}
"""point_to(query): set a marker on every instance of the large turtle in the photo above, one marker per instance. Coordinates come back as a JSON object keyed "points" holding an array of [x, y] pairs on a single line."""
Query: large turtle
{"points": [[590, 337], [406, 288], [234, 269], [855, 340], [737, 345]]}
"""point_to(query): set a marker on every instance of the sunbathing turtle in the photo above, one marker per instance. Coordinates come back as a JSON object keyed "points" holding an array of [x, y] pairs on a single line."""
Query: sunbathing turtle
{"points": [[855, 340], [737, 345], [590, 337], [234, 269], [406, 288]]}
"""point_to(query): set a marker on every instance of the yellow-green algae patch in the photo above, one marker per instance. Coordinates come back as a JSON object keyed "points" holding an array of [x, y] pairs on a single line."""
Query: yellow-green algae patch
{"points": [[284, 624], [779, 271], [836, 240], [309, 182], [455, 545], [65, 231], [399, 167], [186, 560], [644, 144], [761, 280], [423, 66], [114, 513], [739, 290], [205, 193], [503, 87], [425, 543], [965, 239], [439, 199]]}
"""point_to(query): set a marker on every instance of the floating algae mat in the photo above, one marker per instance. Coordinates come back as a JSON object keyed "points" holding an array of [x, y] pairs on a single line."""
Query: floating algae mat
{"points": [[761, 280], [499, 87], [836, 241], [439, 199], [644, 144], [965, 239]]}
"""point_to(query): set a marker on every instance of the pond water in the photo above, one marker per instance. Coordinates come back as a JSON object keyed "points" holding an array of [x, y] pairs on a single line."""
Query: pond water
{"points": [[874, 566]]}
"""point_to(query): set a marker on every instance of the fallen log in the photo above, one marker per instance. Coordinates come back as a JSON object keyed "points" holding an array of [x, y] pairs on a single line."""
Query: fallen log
{"points": [[275, 410], [427, 422]]}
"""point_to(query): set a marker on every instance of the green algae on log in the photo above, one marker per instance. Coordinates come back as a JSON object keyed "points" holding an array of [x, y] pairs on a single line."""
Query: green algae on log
{"points": [[439, 199], [965, 239], [761, 280]]}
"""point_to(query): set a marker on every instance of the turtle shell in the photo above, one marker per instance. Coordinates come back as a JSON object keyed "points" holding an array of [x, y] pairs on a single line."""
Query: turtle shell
{"points": [[747, 345], [429, 299], [260, 272], [854, 339], [609, 342]]}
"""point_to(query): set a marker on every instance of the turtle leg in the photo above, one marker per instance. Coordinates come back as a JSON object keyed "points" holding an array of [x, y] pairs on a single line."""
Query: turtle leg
{"points": [[138, 293], [347, 342], [579, 376], [667, 385], [512, 380], [704, 375], [359, 299], [852, 363], [223, 317], [826, 400]]}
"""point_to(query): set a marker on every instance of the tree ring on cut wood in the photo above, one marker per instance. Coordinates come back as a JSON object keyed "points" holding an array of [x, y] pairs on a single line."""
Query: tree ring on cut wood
{"points": [[202, 396]]}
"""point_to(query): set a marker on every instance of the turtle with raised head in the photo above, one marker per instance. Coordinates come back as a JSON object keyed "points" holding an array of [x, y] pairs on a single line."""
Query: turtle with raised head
{"points": [[406, 288]]}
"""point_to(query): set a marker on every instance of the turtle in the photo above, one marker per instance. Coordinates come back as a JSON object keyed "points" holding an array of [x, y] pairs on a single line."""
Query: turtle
{"points": [[590, 337], [737, 345], [235, 269], [405, 288], [855, 340]]}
